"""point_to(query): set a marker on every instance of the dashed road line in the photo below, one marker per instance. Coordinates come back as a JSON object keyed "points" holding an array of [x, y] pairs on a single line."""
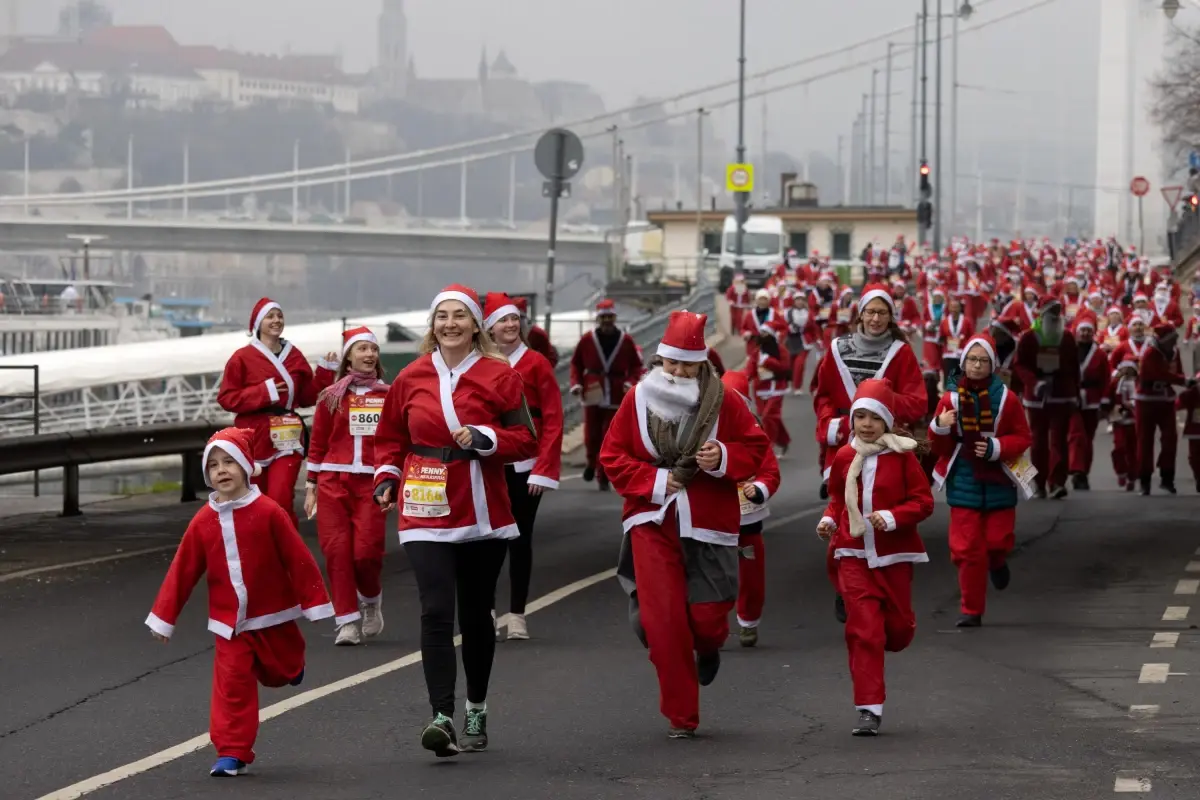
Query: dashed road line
{"points": [[1193, 566], [1187, 586], [1165, 639], [1154, 673], [1176, 613], [1143, 712], [1130, 783], [29, 573]]}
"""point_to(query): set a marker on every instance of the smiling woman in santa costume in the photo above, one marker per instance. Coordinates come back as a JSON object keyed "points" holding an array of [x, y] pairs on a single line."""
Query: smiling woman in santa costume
{"points": [[452, 419], [528, 479], [261, 579], [341, 477], [264, 384], [677, 451], [878, 494]]}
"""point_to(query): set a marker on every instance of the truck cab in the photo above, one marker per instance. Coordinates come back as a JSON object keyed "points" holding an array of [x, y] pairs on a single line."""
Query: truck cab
{"points": [[763, 249]]}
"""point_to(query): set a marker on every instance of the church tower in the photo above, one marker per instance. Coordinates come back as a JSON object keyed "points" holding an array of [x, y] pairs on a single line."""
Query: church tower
{"points": [[393, 50]]}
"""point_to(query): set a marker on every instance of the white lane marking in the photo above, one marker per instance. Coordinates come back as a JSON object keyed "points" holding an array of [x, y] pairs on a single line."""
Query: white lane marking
{"points": [[1143, 711], [1154, 673], [1168, 639], [182, 749], [1193, 566], [29, 573], [1175, 613], [1131, 784], [1187, 586]]}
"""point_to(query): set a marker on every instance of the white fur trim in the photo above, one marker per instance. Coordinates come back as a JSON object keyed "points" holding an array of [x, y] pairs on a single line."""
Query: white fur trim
{"points": [[762, 487], [976, 341], [877, 294], [262, 315], [719, 472], [994, 448], [236, 454], [162, 628], [679, 354], [831, 435], [487, 431], [499, 314], [318, 612], [543, 481], [889, 520], [659, 494], [360, 337], [875, 407], [272, 390], [461, 297]]}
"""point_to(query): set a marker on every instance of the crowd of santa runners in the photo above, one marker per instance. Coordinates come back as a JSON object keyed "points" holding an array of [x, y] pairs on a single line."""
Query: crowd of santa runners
{"points": [[991, 372]]}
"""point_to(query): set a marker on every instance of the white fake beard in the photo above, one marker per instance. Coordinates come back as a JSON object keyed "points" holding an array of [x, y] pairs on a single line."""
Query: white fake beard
{"points": [[669, 398]]}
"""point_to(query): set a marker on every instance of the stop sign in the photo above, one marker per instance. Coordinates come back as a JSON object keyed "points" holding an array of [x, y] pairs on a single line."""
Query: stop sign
{"points": [[1139, 186]]}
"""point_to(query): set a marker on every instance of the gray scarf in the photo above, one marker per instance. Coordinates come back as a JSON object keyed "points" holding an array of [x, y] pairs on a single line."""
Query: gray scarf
{"points": [[867, 345], [677, 453]]}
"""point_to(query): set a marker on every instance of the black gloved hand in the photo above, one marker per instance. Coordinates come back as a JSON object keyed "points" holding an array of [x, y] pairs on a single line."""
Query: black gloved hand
{"points": [[754, 495], [391, 483]]}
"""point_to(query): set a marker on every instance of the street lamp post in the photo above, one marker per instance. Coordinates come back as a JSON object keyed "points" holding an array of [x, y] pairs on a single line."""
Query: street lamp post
{"points": [[964, 13], [740, 197], [937, 140]]}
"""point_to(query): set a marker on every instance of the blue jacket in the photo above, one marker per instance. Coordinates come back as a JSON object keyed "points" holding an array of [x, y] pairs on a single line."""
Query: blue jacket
{"points": [[962, 488]]}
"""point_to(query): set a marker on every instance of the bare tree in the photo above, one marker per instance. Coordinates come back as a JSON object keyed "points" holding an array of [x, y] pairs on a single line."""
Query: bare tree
{"points": [[1176, 104]]}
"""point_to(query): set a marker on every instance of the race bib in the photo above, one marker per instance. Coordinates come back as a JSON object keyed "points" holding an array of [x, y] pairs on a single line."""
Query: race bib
{"points": [[1072, 310], [748, 506], [285, 433], [593, 395], [765, 374], [843, 316], [1048, 362], [1022, 471], [425, 489], [364, 414], [1111, 342], [952, 344]]}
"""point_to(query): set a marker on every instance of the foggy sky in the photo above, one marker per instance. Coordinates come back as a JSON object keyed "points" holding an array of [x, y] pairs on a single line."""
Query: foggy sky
{"points": [[629, 48]]}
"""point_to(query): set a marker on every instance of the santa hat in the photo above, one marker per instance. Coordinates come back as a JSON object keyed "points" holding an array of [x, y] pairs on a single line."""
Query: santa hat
{"points": [[606, 308], [1141, 296], [1049, 302], [876, 395], [1135, 319], [496, 307], [356, 335], [1115, 310], [522, 305], [737, 381], [259, 313], [983, 340], [739, 278], [762, 294], [1085, 320], [876, 291], [239, 444], [465, 295], [684, 337]]}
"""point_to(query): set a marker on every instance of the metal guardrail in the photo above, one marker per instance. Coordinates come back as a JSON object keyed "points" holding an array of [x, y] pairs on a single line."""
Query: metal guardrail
{"points": [[32, 416], [72, 450]]}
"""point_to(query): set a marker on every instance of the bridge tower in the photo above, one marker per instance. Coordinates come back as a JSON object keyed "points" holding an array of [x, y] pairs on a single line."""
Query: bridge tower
{"points": [[393, 50], [1133, 47]]}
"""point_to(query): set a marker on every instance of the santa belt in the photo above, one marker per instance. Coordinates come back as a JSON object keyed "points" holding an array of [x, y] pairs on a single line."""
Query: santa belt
{"points": [[445, 454]]}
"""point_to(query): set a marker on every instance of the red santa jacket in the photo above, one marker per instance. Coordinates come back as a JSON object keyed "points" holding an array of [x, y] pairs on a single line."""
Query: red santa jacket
{"points": [[1111, 336], [1072, 304], [539, 342], [1127, 350], [260, 573], [248, 390], [1192, 334], [910, 314], [1010, 433], [715, 359], [1047, 374], [1158, 375], [834, 390], [1093, 377], [952, 335], [1119, 396], [1189, 403], [612, 373], [1167, 313], [544, 399], [343, 440], [766, 480], [708, 509], [893, 484], [769, 375], [742, 299], [772, 321], [448, 493], [802, 326], [1020, 312]]}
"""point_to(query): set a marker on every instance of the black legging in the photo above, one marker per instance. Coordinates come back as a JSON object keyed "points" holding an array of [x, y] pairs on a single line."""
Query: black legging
{"points": [[520, 550], [467, 572]]}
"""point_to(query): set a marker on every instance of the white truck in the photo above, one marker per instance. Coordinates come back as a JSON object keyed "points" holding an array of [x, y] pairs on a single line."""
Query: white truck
{"points": [[763, 247]]}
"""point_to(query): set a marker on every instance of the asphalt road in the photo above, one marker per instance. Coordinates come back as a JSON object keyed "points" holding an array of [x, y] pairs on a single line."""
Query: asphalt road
{"points": [[1044, 702]]}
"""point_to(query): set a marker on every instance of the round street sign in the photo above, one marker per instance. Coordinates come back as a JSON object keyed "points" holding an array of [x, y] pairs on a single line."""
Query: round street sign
{"points": [[545, 155], [1139, 186], [739, 178]]}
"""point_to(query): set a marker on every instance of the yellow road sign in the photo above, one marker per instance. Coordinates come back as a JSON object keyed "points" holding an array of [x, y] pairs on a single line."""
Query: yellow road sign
{"points": [[739, 178]]}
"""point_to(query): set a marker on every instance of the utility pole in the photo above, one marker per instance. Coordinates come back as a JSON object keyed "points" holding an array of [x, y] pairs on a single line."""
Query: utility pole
{"points": [[841, 169], [617, 245], [913, 162], [348, 200], [740, 197], [512, 190], [763, 157], [887, 125], [700, 186], [129, 178], [462, 192], [922, 227], [852, 179], [953, 172], [27, 176], [296, 182], [937, 147], [862, 151], [872, 125], [187, 168]]}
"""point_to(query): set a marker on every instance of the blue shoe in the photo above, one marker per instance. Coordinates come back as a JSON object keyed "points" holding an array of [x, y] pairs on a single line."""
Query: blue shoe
{"points": [[296, 681], [227, 767]]}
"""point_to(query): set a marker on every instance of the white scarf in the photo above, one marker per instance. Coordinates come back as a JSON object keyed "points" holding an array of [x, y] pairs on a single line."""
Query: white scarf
{"points": [[889, 441]]}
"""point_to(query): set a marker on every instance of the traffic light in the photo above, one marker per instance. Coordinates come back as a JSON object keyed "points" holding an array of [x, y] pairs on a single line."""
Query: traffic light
{"points": [[926, 190], [925, 214], [1194, 202]]}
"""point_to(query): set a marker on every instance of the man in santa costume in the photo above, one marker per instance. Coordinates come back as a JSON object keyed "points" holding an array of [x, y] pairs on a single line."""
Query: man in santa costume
{"points": [[261, 579], [1166, 310], [979, 434], [1132, 347], [677, 452], [1047, 365], [740, 301], [763, 316], [604, 367], [1159, 373], [1093, 382]]}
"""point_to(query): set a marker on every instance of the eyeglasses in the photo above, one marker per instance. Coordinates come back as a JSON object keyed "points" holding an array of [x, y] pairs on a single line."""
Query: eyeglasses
{"points": [[981, 361], [876, 313]]}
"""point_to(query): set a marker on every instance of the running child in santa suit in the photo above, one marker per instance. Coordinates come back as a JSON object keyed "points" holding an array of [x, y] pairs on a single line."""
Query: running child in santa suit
{"points": [[978, 429], [261, 579], [878, 494]]}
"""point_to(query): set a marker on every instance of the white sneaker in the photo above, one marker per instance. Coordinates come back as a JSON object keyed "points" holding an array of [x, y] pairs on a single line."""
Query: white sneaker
{"points": [[348, 635], [372, 621], [516, 627]]}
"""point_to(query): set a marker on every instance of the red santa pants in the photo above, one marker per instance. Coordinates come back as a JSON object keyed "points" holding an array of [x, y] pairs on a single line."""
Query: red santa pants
{"points": [[278, 482], [1050, 427], [771, 409], [752, 577], [1124, 451], [979, 541], [675, 630], [350, 530], [595, 427], [273, 657], [1081, 437], [735, 319], [1151, 416], [1194, 458], [932, 352], [799, 362], [879, 618]]}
